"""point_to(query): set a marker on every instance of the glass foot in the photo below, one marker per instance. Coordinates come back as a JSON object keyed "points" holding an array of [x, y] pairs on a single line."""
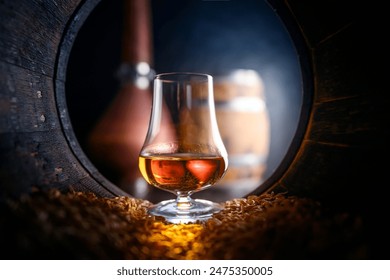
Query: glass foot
{"points": [[199, 210]]}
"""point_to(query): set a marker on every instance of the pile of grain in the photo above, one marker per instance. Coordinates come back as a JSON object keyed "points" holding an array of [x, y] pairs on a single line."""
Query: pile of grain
{"points": [[75, 225]]}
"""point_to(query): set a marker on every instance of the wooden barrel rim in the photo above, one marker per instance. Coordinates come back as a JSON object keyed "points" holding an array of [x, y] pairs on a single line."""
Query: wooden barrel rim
{"points": [[68, 39], [70, 34], [303, 54]]}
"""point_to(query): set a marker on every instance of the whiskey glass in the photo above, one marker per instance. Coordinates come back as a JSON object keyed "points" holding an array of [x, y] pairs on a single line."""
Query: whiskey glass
{"points": [[183, 152]]}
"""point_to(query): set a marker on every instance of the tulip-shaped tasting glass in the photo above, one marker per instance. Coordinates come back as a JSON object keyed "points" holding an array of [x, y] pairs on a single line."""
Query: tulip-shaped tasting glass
{"points": [[183, 152]]}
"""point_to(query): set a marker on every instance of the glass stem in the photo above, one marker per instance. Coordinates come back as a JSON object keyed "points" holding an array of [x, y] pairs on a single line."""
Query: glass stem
{"points": [[184, 202]]}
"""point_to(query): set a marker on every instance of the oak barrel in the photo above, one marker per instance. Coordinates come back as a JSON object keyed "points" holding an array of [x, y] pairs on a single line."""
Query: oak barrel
{"points": [[336, 155], [244, 126]]}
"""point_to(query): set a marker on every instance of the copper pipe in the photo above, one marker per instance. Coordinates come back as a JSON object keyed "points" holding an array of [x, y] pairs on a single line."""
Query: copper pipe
{"points": [[137, 39]]}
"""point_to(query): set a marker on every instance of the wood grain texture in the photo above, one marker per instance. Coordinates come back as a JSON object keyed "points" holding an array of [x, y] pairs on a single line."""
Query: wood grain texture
{"points": [[35, 149], [342, 156]]}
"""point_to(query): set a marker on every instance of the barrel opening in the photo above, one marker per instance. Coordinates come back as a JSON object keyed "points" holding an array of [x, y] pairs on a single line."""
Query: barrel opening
{"points": [[259, 84]]}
